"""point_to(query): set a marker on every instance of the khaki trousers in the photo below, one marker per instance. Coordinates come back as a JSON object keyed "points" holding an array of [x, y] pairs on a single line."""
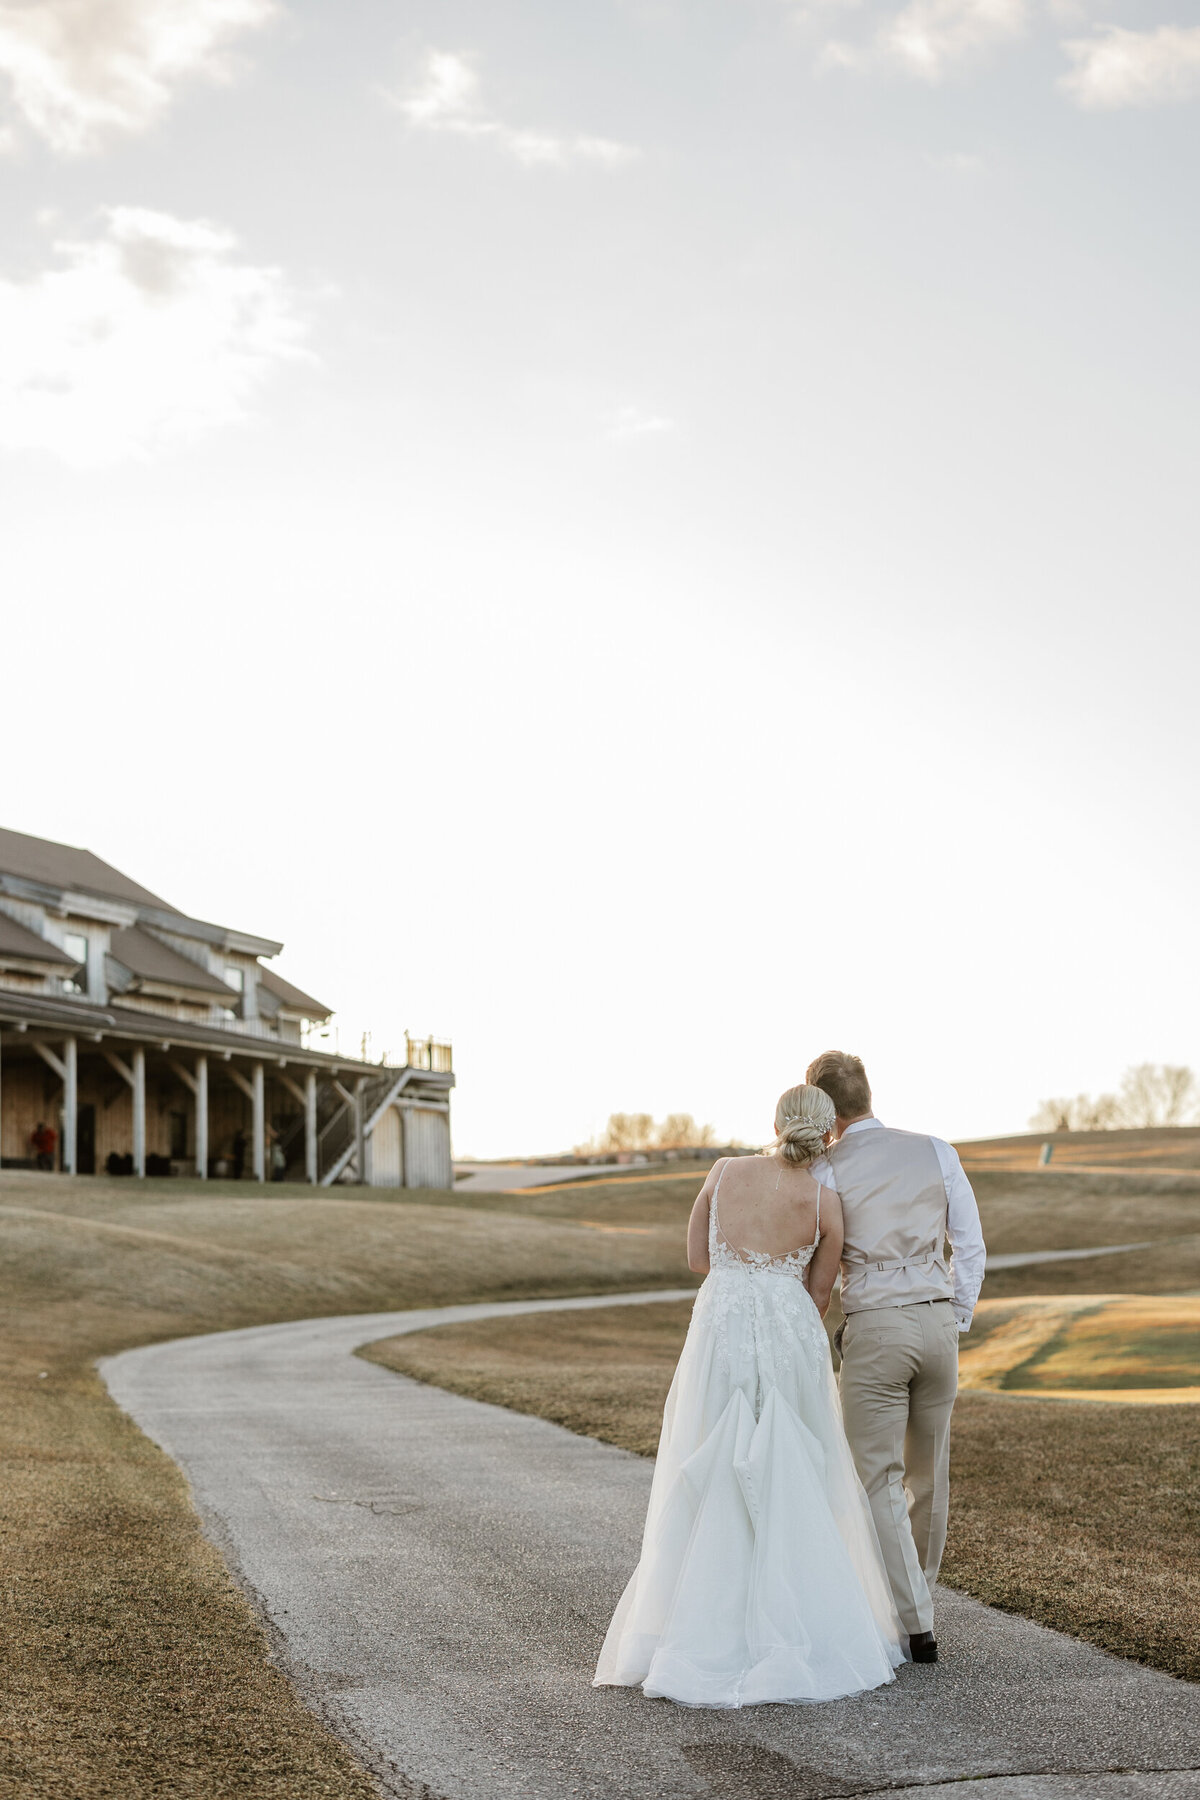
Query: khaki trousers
{"points": [[898, 1382]]}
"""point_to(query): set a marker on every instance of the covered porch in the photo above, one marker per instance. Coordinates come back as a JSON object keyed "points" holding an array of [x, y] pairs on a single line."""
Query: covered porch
{"points": [[128, 1094]]}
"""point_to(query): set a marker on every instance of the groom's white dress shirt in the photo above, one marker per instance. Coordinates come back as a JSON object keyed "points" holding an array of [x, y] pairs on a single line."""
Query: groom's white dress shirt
{"points": [[962, 1220]]}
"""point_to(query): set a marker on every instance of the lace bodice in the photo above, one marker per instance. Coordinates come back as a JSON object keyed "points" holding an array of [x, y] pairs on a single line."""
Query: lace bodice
{"points": [[723, 1254]]}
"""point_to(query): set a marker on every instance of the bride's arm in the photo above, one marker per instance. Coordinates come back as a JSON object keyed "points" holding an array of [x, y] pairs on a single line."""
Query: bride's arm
{"points": [[697, 1236], [822, 1270]]}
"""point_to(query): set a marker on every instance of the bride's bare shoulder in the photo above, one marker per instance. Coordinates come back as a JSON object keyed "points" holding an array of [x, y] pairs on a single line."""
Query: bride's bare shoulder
{"points": [[714, 1174], [743, 1173]]}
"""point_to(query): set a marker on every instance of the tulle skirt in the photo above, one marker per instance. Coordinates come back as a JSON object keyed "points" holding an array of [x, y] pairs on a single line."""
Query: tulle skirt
{"points": [[760, 1576]]}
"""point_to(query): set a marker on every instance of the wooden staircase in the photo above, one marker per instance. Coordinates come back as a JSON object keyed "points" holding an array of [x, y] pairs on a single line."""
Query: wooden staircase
{"points": [[337, 1132]]}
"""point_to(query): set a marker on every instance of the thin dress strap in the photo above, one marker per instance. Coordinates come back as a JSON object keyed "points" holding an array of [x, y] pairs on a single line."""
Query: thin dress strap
{"points": [[817, 1237], [714, 1224]]}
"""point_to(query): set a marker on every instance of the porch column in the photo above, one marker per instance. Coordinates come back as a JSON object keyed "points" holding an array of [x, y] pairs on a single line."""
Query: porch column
{"points": [[360, 1141], [201, 1092], [259, 1127], [138, 1060], [70, 1105], [310, 1127]]}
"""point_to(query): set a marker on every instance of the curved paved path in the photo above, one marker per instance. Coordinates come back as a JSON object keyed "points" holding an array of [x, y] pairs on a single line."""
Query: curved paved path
{"points": [[437, 1576]]}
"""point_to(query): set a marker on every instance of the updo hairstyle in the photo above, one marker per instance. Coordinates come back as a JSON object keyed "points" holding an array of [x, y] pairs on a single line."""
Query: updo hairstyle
{"points": [[802, 1117]]}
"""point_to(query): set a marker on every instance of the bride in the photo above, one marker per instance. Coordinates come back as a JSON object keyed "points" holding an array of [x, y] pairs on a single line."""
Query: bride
{"points": [[760, 1576]]}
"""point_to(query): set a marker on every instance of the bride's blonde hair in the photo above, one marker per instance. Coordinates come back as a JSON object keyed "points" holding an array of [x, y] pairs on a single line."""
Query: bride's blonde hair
{"points": [[802, 1117]]}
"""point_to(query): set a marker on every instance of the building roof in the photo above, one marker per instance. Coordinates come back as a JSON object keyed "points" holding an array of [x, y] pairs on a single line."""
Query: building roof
{"points": [[293, 999], [52, 1012], [146, 956], [61, 869], [18, 941], [64, 866], [53, 1009]]}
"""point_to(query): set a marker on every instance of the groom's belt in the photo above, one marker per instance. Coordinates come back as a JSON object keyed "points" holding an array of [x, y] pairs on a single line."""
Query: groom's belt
{"points": [[903, 1262]]}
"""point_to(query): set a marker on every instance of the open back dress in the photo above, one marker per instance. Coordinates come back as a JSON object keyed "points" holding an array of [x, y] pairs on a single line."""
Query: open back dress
{"points": [[760, 1576]]}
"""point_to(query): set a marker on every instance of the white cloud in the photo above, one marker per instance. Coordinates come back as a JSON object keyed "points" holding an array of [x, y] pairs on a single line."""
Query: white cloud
{"points": [[635, 422], [148, 333], [81, 70], [930, 38], [1134, 68], [448, 97]]}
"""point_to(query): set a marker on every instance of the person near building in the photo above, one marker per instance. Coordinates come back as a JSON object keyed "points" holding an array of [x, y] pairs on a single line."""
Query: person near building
{"points": [[45, 1141]]}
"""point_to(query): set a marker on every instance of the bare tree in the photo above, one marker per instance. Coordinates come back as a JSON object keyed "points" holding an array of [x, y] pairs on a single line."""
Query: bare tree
{"points": [[679, 1131], [637, 1131], [1086, 1112], [1151, 1094], [628, 1131], [1158, 1094], [1053, 1115]]}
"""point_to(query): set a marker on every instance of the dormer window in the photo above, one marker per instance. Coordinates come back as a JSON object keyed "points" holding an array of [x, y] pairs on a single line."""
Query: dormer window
{"points": [[76, 946], [234, 978]]}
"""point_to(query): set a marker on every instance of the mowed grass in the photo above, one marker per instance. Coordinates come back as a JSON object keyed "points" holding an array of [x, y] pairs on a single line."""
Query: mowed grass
{"points": [[132, 1664], [1067, 1210], [1026, 1212], [1154, 1147], [1136, 1346], [1023, 1210]]}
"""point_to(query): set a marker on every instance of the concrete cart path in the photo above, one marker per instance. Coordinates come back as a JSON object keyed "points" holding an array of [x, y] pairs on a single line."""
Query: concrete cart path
{"points": [[437, 1576]]}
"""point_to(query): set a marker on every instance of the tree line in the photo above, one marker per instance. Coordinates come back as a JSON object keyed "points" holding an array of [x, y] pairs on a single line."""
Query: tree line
{"points": [[638, 1131], [1150, 1094]]}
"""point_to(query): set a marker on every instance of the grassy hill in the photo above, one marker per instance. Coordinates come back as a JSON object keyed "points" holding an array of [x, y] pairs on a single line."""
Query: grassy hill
{"points": [[133, 1666], [1163, 1147]]}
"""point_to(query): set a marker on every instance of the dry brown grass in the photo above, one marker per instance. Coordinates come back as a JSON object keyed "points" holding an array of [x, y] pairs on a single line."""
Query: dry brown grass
{"points": [[1083, 1516], [1103, 1345], [133, 1666], [1060, 1210], [597, 1372], [1168, 1268], [1153, 1147]]}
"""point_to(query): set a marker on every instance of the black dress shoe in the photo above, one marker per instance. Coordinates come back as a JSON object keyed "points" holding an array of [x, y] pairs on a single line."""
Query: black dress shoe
{"points": [[922, 1647]]}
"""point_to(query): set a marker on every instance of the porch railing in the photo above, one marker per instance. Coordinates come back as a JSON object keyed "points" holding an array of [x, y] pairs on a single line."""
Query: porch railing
{"points": [[430, 1053]]}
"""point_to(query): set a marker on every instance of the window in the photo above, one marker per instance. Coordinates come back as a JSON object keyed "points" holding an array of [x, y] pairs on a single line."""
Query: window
{"points": [[234, 978], [76, 946], [178, 1126]]}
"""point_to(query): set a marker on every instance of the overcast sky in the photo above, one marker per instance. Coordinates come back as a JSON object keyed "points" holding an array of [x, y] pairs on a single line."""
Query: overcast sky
{"points": [[653, 539]]}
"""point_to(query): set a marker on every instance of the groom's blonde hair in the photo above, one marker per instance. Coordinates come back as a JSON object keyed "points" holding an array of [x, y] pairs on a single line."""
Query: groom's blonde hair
{"points": [[844, 1079]]}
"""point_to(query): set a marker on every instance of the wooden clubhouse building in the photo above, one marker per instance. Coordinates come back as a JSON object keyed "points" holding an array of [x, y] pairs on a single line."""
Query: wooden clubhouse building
{"points": [[149, 1042]]}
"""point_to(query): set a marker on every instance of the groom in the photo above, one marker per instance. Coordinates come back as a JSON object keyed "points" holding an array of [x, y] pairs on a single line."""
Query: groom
{"points": [[902, 1196]]}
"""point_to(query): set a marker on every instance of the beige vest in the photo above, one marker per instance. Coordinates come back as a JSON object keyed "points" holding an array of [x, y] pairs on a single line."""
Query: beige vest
{"points": [[894, 1208]]}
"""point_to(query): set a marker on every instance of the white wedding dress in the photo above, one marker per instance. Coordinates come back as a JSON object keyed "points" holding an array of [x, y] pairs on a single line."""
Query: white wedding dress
{"points": [[760, 1576]]}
